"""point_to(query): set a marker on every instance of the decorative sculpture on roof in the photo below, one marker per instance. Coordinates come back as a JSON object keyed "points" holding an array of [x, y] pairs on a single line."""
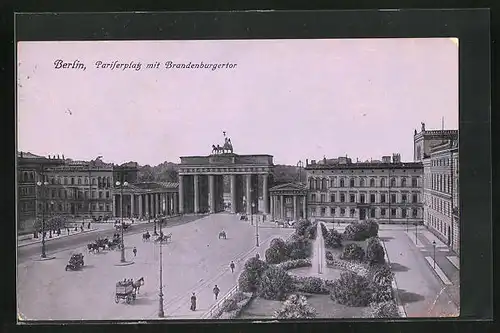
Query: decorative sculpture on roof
{"points": [[227, 148], [423, 127]]}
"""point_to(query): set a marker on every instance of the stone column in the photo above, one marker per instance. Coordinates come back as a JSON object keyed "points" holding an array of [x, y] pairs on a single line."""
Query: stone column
{"points": [[181, 194], [146, 208], [282, 197], [233, 194], [272, 207], [158, 203], [132, 203], [248, 193], [114, 206], [295, 213], [304, 206], [140, 205], [211, 193], [196, 194], [121, 205], [265, 194]]}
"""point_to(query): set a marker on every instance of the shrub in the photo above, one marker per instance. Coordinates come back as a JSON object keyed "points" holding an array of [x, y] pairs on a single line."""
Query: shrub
{"points": [[353, 252], [311, 231], [384, 310], [232, 307], [375, 253], [256, 265], [277, 251], [301, 227], [356, 232], [382, 274], [328, 255], [291, 264], [275, 284], [324, 230], [295, 307], [299, 249], [381, 292], [229, 304], [351, 290], [248, 281], [310, 284], [333, 239], [371, 228]]}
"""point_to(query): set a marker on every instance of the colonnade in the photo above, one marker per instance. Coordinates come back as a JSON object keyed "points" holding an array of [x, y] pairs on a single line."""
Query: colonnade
{"points": [[288, 207], [204, 193], [144, 205]]}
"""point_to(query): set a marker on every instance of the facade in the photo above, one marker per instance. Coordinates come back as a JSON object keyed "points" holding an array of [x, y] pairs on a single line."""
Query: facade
{"points": [[288, 202], [386, 191], [29, 167], [441, 187]]}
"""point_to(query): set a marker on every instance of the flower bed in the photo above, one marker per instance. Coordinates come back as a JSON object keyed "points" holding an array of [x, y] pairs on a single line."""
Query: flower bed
{"points": [[231, 308], [356, 267], [311, 284], [297, 263]]}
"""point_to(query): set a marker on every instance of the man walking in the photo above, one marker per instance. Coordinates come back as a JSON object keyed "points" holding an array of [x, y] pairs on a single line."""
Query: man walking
{"points": [[231, 265], [193, 302], [216, 292], [135, 251]]}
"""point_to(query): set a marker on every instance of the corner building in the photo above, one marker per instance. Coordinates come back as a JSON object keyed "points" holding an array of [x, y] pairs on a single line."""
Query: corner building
{"points": [[386, 191]]}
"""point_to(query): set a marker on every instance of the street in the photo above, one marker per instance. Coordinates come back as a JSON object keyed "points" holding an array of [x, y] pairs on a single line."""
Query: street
{"points": [[193, 261]]}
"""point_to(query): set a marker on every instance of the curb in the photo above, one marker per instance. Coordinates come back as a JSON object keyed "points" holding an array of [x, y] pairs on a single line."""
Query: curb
{"points": [[394, 285], [60, 237]]}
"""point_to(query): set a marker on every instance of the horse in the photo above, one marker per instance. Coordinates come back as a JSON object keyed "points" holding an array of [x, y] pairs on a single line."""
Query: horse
{"points": [[137, 284], [145, 237], [92, 247], [222, 234]]}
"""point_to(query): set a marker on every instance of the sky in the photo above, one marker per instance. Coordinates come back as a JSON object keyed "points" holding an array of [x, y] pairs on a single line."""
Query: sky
{"points": [[293, 99]]}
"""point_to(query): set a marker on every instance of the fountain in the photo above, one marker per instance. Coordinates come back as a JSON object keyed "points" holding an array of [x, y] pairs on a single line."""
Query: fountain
{"points": [[318, 260]]}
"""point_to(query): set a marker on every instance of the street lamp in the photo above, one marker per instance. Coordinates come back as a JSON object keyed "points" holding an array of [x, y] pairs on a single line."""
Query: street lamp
{"points": [[256, 227], [161, 313], [44, 184], [434, 254], [119, 184], [406, 207], [416, 231]]}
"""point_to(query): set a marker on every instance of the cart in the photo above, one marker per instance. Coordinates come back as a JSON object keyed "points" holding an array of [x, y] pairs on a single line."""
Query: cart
{"points": [[75, 262], [125, 291]]}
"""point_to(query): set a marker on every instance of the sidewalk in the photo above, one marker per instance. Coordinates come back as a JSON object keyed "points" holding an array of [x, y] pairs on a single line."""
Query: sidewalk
{"points": [[225, 280]]}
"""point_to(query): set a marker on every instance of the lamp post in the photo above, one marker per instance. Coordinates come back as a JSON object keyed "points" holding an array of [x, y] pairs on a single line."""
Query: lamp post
{"points": [[161, 313], [256, 227], [434, 253], [416, 231], [119, 184], [42, 186], [406, 207]]}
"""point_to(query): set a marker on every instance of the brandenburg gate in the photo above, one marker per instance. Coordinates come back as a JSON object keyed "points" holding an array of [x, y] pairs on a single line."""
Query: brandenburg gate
{"points": [[201, 181]]}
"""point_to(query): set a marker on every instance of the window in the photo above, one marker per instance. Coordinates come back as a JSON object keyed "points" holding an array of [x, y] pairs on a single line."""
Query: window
{"points": [[352, 212], [65, 181], [332, 197], [403, 182], [403, 213], [107, 208], [324, 184], [361, 182], [414, 212], [352, 198], [372, 198], [94, 195], [382, 182], [332, 211], [342, 197], [323, 198], [393, 182], [393, 198], [372, 212], [311, 183], [362, 198], [100, 195], [342, 211], [332, 182], [414, 198], [372, 182], [414, 182], [393, 212], [404, 198], [351, 182], [107, 194], [323, 211], [342, 182], [382, 198], [86, 180], [313, 197], [382, 211], [93, 181]]}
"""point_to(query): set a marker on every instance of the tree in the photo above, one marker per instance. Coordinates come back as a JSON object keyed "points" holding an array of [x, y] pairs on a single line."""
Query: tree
{"points": [[353, 252], [275, 284], [301, 227], [351, 289], [375, 253], [295, 307], [371, 228], [277, 251]]}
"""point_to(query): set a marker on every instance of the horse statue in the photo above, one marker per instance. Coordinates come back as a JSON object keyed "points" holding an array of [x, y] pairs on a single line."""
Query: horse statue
{"points": [[227, 148]]}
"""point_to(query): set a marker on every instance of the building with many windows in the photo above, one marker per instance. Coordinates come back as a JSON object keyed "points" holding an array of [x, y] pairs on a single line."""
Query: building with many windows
{"points": [[388, 191], [438, 150]]}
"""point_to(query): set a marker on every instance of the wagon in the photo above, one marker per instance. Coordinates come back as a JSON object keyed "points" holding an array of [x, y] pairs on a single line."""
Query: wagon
{"points": [[125, 291], [75, 262]]}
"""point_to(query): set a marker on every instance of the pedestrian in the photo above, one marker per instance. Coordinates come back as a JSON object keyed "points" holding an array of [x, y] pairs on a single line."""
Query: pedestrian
{"points": [[67, 229], [88, 225], [257, 256], [135, 251], [193, 302], [216, 291], [81, 228], [231, 265]]}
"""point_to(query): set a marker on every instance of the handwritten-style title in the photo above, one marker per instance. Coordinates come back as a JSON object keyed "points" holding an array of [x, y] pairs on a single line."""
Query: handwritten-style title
{"points": [[117, 65]]}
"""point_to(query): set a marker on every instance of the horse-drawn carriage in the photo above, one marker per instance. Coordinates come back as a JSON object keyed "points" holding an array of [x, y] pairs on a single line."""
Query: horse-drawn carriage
{"points": [[222, 235], [163, 238], [125, 290], [146, 236], [75, 262]]}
